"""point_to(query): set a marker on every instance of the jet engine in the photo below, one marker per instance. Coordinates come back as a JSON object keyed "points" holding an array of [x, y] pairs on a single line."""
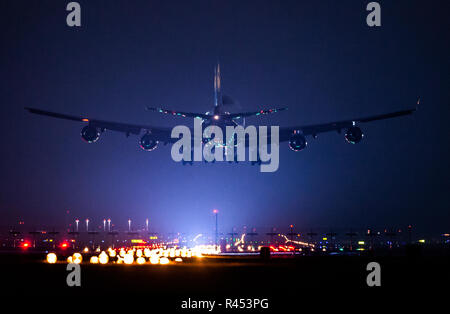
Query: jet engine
{"points": [[353, 135], [90, 134], [297, 142], [148, 142]]}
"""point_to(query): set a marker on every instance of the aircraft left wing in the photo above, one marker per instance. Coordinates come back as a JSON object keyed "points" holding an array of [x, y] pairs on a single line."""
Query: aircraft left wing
{"points": [[338, 126], [160, 134]]}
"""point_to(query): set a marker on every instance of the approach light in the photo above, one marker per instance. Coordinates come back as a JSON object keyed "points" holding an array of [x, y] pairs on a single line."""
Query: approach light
{"points": [[154, 259], [128, 258], [216, 117], [94, 260], [164, 261], [140, 260], [103, 258], [178, 259], [77, 258], [51, 258]]}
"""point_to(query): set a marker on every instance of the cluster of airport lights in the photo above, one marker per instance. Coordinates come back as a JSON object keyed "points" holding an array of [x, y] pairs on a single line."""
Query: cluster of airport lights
{"points": [[77, 222], [140, 256]]}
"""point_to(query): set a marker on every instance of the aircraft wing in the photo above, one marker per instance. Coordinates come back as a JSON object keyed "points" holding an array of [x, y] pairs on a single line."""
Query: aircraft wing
{"points": [[338, 126], [236, 116], [161, 134], [180, 113]]}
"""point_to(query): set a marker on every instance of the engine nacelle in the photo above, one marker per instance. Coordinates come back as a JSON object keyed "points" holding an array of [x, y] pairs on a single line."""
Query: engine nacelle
{"points": [[148, 142], [297, 142], [90, 134], [353, 135]]}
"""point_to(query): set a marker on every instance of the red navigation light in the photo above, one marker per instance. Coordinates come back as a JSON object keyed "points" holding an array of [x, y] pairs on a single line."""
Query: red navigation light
{"points": [[215, 211]]}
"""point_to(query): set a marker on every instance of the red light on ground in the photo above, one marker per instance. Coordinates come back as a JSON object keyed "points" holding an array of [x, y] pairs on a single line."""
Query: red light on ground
{"points": [[64, 245], [25, 245]]}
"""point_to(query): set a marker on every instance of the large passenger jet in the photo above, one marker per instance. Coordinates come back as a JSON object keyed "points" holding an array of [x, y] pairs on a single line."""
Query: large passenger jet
{"points": [[151, 136]]}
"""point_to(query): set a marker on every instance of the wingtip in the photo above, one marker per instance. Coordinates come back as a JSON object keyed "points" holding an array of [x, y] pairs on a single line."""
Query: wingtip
{"points": [[29, 109], [417, 105]]}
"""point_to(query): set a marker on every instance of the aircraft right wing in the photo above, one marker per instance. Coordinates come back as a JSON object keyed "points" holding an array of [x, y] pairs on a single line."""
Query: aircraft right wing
{"points": [[160, 134]]}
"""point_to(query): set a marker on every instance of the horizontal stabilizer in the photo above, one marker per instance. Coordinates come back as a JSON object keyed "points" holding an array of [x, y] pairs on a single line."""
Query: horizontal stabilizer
{"points": [[255, 113], [179, 113]]}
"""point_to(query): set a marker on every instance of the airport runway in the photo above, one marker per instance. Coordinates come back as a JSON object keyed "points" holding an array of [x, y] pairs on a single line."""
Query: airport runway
{"points": [[229, 275]]}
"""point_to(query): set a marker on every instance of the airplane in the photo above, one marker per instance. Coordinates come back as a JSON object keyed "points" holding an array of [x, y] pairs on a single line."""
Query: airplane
{"points": [[152, 136]]}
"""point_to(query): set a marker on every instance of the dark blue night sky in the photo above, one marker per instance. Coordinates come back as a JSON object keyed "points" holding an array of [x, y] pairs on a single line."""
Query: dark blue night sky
{"points": [[319, 58]]}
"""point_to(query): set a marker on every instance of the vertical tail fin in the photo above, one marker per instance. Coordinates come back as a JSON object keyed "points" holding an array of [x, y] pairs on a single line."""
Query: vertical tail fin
{"points": [[217, 87]]}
